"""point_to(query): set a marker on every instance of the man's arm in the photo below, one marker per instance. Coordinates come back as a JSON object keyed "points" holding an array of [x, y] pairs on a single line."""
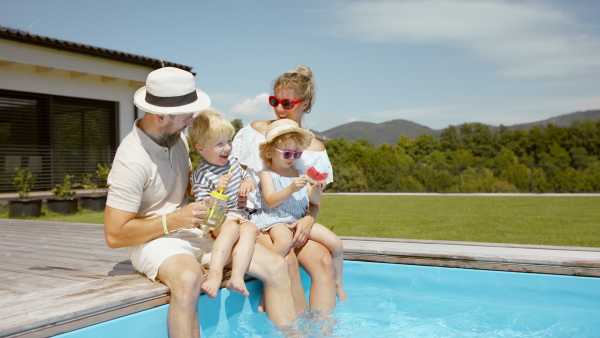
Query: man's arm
{"points": [[121, 228]]}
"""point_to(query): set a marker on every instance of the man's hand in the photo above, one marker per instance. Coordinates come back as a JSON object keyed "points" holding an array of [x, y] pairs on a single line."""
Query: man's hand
{"points": [[190, 216]]}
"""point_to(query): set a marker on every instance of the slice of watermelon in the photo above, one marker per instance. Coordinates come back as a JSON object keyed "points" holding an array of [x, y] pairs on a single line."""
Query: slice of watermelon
{"points": [[314, 176]]}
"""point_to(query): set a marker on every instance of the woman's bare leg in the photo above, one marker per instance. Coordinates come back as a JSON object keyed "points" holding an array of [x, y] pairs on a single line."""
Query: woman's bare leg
{"points": [[317, 261], [294, 271], [270, 268], [334, 244]]}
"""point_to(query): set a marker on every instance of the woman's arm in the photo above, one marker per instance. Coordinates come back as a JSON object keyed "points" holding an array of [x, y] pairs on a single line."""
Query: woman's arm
{"points": [[304, 226]]}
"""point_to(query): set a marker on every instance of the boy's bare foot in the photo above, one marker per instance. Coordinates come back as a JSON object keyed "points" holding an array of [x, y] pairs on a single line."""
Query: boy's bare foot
{"points": [[341, 293], [261, 303], [237, 285], [211, 286]]}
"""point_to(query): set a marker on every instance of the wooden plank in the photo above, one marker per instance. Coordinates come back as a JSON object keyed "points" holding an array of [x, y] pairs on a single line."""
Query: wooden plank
{"points": [[478, 252], [479, 265], [61, 304]]}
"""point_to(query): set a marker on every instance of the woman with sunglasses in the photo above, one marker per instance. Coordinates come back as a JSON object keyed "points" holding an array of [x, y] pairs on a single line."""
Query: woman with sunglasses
{"points": [[293, 96]]}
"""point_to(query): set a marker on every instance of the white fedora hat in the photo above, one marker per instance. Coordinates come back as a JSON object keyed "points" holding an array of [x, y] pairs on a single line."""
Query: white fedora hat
{"points": [[170, 90]]}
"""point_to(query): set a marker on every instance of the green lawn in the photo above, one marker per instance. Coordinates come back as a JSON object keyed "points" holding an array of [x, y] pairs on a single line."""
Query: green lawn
{"points": [[571, 221]]}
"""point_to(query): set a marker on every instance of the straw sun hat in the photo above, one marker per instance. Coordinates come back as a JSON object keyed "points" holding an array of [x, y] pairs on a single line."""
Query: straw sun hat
{"points": [[170, 90], [283, 126]]}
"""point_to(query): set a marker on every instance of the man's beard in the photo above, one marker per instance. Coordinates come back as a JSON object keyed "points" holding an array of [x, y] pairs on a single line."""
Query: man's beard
{"points": [[170, 139]]}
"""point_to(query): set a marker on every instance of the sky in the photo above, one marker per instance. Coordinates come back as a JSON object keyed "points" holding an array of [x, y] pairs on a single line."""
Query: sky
{"points": [[432, 62]]}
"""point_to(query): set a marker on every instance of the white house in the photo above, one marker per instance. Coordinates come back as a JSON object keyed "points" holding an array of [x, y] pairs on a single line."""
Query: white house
{"points": [[64, 106]]}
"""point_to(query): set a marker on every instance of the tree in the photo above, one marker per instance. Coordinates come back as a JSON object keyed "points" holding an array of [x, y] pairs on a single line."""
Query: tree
{"points": [[237, 124], [449, 139], [405, 142], [518, 175], [505, 157], [555, 155], [515, 140], [537, 144], [423, 145]]}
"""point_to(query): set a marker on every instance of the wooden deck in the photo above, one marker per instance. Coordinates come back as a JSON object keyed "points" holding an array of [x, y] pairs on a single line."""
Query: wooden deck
{"points": [[57, 277]]}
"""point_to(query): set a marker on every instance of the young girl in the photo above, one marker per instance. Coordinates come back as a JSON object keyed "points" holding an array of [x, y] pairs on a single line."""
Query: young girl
{"points": [[285, 195]]}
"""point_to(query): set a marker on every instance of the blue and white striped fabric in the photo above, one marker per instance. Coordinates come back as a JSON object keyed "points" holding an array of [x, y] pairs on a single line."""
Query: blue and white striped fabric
{"points": [[291, 210], [205, 179]]}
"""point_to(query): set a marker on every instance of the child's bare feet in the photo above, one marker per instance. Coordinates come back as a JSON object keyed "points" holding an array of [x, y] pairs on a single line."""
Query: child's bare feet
{"points": [[261, 303], [237, 285], [341, 293], [211, 286]]}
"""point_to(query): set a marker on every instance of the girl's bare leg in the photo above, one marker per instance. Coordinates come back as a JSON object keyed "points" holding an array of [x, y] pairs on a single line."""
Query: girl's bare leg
{"points": [[241, 256], [227, 235], [281, 236], [333, 243]]}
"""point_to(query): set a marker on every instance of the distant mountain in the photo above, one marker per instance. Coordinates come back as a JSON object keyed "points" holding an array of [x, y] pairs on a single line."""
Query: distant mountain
{"points": [[562, 120], [389, 132], [377, 133]]}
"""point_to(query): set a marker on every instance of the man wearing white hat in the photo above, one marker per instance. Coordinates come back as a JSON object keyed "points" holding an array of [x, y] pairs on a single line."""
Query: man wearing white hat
{"points": [[147, 210]]}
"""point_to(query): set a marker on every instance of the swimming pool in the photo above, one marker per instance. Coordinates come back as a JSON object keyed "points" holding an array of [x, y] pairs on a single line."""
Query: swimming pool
{"points": [[407, 300]]}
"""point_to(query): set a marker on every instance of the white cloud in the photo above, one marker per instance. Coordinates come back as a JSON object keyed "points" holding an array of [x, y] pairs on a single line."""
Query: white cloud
{"points": [[252, 107], [526, 38]]}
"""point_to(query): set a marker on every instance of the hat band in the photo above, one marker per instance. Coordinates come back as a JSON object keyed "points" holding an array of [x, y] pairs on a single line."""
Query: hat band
{"points": [[171, 101]]}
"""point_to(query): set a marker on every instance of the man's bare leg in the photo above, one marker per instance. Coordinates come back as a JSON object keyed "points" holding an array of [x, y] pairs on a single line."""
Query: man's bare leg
{"points": [[317, 262], [272, 270], [183, 275]]}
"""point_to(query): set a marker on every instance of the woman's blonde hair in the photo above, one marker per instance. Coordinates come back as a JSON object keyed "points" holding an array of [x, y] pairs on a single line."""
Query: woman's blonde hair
{"points": [[301, 81], [209, 125], [267, 149]]}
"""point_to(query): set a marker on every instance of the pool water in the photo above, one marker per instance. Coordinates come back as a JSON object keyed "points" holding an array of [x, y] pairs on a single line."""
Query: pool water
{"points": [[401, 300]]}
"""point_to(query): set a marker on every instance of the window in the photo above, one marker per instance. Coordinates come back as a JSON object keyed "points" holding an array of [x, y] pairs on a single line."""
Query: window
{"points": [[54, 136]]}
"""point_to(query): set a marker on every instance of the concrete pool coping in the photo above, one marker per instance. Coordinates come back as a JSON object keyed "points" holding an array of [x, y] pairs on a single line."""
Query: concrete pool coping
{"points": [[57, 277]]}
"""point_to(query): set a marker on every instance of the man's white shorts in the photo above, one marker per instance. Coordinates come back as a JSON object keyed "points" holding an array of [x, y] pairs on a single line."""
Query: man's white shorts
{"points": [[147, 258]]}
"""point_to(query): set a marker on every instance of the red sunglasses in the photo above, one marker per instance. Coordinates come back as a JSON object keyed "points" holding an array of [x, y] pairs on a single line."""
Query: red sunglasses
{"points": [[285, 103]]}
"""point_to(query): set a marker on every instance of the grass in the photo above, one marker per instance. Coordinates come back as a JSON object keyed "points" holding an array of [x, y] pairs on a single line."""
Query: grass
{"points": [[82, 216], [545, 220]]}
